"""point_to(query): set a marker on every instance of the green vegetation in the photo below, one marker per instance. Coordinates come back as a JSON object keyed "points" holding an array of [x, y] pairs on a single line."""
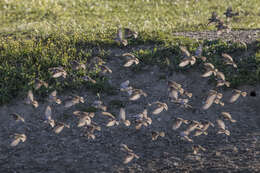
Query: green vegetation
{"points": [[37, 35]]}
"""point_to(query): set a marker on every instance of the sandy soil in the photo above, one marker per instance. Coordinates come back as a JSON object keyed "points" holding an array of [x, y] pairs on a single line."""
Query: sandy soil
{"points": [[70, 151]]}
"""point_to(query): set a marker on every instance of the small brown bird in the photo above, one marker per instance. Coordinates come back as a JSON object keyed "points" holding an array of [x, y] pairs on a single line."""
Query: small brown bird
{"points": [[222, 127], [229, 60], [39, 83], [130, 59], [59, 127], [130, 33], [229, 13], [18, 138], [53, 98], [210, 99], [213, 19], [156, 134], [197, 148], [178, 122], [143, 120], [130, 154], [84, 117], [160, 107], [48, 116], [136, 94], [30, 99], [17, 117], [57, 72], [120, 37], [221, 27], [74, 99], [188, 59], [122, 117], [236, 95], [228, 116], [89, 79], [112, 119], [77, 65], [210, 70]]}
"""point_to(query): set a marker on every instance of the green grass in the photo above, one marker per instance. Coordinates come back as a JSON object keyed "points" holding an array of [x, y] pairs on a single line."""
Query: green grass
{"points": [[37, 35]]}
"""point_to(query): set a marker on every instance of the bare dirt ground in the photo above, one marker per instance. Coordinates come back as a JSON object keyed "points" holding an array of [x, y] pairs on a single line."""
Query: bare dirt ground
{"points": [[69, 151], [246, 36]]}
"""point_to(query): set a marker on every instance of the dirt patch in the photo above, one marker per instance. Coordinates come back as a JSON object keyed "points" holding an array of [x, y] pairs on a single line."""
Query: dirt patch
{"points": [[69, 151], [247, 36]]}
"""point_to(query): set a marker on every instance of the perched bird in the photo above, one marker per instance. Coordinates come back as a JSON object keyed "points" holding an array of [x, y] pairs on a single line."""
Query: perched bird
{"points": [[130, 59], [229, 60], [236, 95], [214, 18], [18, 138], [17, 117], [178, 122], [57, 72], [222, 127], [228, 116], [30, 99], [160, 107], [39, 83], [130, 154]]}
